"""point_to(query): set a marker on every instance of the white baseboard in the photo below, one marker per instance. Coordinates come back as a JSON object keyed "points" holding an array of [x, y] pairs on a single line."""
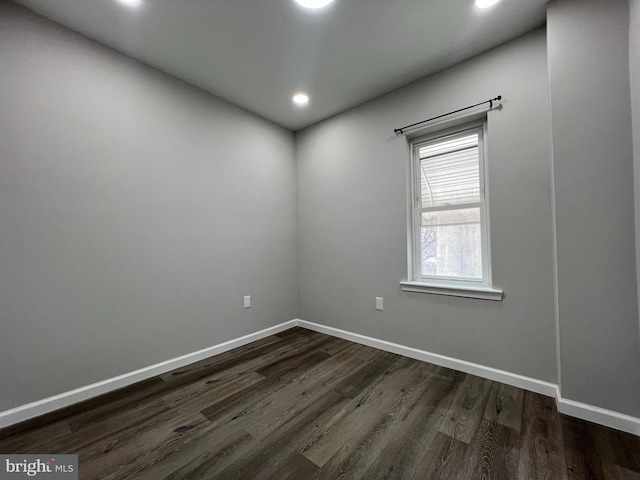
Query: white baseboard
{"points": [[47, 405], [583, 411], [572, 408], [609, 418], [527, 383]]}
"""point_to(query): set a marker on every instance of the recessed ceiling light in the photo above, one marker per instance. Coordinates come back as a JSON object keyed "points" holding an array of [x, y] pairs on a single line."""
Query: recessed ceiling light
{"points": [[314, 3], [486, 3], [300, 99], [131, 3]]}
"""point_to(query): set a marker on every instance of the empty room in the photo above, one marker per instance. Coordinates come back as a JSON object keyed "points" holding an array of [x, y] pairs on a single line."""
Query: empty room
{"points": [[320, 239]]}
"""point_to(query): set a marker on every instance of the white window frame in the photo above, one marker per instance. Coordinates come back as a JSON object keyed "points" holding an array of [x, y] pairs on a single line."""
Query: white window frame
{"points": [[456, 286]]}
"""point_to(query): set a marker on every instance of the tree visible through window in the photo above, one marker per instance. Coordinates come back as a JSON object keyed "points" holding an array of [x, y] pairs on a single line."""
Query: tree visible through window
{"points": [[449, 218]]}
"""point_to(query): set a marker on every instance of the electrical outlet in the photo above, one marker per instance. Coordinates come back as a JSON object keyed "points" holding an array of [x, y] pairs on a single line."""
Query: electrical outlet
{"points": [[379, 303], [247, 301]]}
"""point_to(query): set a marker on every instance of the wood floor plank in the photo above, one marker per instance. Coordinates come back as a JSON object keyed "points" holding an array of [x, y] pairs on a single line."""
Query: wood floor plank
{"points": [[618, 448], [354, 457], [276, 451], [382, 358], [150, 440], [367, 410], [624, 474], [397, 442], [367, 353], [129, 419], [505, 406], [297, 468], [338, 345], [276, 409], [382, 390], [244, 353], [404, 399], [203, 393], [582, 458], [294, 332], [449, 375], [593, 451], [542, 452], [35, 438], [324, 422], [359, 414], [493, 453], [89, 409], [250, 358], [301, 405], [358, 422], [215, 446], [444, 459], [284, 365], [247, 400], [214, 459], [405, 450], [360, 379], [467, 410]]}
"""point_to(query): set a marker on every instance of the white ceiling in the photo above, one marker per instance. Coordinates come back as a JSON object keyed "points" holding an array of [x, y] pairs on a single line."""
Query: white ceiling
{"points": [[258, 53]]}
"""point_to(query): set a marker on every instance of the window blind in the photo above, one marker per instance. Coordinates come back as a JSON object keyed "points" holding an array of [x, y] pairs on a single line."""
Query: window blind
{"points": [[450, 172]]}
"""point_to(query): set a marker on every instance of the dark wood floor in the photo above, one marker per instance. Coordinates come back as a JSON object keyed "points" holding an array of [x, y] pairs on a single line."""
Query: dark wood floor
{"points": [[303, 405]]}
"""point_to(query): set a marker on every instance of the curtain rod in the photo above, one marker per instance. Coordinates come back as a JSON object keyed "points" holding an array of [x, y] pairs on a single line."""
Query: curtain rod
{"points": [[399, 131]]}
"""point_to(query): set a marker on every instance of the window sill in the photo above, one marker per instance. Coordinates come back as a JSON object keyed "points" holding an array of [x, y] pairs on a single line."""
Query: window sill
{"points": [[483, 293]]}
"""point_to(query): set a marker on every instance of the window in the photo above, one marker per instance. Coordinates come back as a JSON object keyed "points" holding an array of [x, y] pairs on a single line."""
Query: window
{"points": [[449, 252]]}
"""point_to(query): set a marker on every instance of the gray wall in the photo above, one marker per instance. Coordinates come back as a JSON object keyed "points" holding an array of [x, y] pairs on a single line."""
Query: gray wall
{"points": [[135, 213], [634, 71], [593, 171], [352, 217]]}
